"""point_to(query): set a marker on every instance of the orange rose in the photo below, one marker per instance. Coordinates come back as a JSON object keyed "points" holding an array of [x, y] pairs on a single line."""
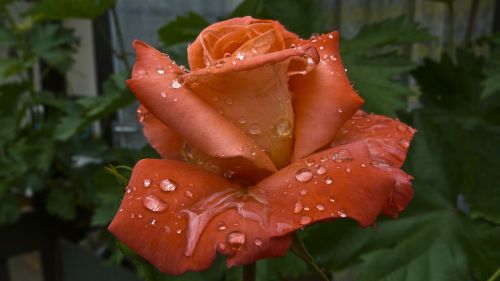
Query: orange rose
{"points": [[270, 128]]}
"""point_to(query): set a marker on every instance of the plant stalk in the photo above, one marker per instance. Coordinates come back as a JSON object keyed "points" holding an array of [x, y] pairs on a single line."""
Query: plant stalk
{"points": [[300, 250]]}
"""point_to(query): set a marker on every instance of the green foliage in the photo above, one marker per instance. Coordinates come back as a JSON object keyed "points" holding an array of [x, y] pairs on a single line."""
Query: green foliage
{"points": [[376, 62], [61, 9], [53, 44], [304, 17], [182, 29]]}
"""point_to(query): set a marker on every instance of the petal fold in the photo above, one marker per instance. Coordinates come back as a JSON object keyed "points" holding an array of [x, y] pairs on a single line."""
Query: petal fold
{"points": [[336, 183], [157, 85], [324, 98]]}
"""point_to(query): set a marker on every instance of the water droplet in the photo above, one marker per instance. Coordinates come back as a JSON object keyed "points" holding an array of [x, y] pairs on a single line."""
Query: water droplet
{"points": [[298, 207], [310, 61], [303, 192], [240, 55], [153, 203], [321, 47], [163, 94], [328, 180], [333, 58], [404, 143], [363, 165], [348, 169], [330, 36], [188, 194], [176, 84], [310, 162], [242, 120], [342, 213], [402, 128], [167, 185], [320, 207], [283, 127], [282, 227], [258, 242], [339, 110], [221, 247], [228, 174], [221, 226], [342, 155], [140, 216], [321, 170], [306, 208], [235, 239], [323, 158], [178, 231], [147, 182], [305, 220], [303, 175], [380, 164], [128, 189], [160, 70], [153, 222], [254, 51], [332, 199], [254, 129]]}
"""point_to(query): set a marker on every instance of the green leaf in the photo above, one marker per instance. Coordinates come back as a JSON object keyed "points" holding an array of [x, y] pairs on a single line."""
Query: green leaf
{"points": [[61, 202], [114, 97], [61, 9], [10, 209], [304, 17], [443, 249], [7, 39], [53, 44], [376, 64], [182, 29]]}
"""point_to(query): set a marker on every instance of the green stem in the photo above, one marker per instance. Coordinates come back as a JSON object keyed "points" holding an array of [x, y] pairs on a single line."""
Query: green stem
{"points": [[300, 250], [495, 275], [249, 271], [119, 35]]}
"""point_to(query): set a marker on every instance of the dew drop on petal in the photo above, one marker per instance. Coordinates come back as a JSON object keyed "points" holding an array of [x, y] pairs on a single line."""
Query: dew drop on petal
{"points": [[332, 199], [178, 231], [303, 192], [404, 143], [167, 185], [310, 162], [160, 71], [320, 207], [298, 207], [342, 213], [242, 120], [188, 193], [305, 220], [240, 55], [258, 242], [328, 180], [221, 247], [147, 182], [304, 175], [402, 128], [228, 174], [342, 155], [254, 129], [348, 169], [283, 127], [323, 158], [221, 226], [254, 51], [340, 110], [321, 170], [152, 222], [235, 239], [176, 84], [153, 203]]}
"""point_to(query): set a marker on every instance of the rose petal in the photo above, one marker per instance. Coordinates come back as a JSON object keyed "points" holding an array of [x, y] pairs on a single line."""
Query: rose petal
{"points": [[335, 183], [220, 38], [253, 94], [174, 104], [324, 98], [197, 214], [387, 139], [165, 141]]}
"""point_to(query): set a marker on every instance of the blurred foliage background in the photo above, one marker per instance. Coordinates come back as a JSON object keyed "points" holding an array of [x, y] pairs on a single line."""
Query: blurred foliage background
{"points": [[443, 79]]}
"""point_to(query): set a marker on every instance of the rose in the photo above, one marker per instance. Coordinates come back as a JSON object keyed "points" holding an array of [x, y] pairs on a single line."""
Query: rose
{"points": [[273, 136]]}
